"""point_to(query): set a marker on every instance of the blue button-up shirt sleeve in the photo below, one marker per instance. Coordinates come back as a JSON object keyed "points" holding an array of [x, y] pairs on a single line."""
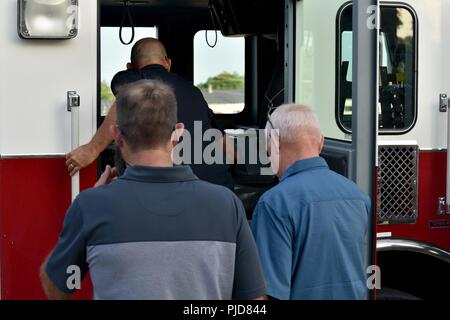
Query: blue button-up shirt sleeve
{"points": [[273, 237]]}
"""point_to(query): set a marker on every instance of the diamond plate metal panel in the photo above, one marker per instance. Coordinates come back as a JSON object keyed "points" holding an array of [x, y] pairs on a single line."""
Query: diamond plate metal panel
{"points": [[397, 184]]}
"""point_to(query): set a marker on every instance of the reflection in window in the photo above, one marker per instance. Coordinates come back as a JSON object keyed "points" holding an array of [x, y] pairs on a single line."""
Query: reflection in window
{"points": [[114, 58], [219, 72], [397, 69]]}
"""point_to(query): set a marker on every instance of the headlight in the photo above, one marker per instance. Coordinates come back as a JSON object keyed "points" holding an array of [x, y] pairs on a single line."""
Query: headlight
{"points": [[48, 19]]}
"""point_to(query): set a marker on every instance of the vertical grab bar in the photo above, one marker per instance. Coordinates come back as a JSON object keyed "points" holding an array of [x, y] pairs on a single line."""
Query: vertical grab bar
{"points": [[447, 195], [444, 202], [73, 106]]}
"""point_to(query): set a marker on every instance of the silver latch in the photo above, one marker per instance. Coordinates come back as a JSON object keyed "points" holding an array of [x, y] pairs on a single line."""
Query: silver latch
{"points": [[443, 207], [443, 102], [73, 100]]}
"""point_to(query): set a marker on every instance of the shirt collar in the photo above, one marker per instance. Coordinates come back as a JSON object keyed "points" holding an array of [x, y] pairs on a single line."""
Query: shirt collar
{"points": [[159, 175], [304, 165], [154, 67]]}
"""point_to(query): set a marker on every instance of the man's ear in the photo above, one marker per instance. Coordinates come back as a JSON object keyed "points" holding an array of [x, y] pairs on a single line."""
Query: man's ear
{"points": [[130, 66], [177, 133], [168, 64], [322, 142], [275, 140], [115, 132]]}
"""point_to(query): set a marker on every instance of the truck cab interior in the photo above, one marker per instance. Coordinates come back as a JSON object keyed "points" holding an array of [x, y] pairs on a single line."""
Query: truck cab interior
{"points": [[248, 29], [245, 41]]}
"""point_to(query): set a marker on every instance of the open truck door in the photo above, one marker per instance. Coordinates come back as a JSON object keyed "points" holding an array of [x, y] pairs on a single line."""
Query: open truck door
{"points": [[352, 153], [37, 130], [396, 88]]}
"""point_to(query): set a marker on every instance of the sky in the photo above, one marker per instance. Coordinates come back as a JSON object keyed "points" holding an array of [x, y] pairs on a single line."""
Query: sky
{"points": [[228, 55]]}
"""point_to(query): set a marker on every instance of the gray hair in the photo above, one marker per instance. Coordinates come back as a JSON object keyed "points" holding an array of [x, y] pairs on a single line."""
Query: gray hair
{"points": [[296, 123]]}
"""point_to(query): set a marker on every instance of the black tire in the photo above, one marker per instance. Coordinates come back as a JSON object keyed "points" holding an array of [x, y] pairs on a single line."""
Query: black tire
{"points": [[394, 294]]}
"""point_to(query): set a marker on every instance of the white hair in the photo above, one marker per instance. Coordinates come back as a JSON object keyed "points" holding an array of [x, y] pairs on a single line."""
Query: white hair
{"points": [[296, 123]]}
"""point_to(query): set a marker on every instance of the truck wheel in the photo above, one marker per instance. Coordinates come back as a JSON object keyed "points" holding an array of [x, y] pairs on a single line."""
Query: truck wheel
{"points": [[394, 294]]}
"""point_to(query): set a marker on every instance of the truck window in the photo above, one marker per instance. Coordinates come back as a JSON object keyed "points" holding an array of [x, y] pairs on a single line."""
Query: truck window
{"points": [[219, 72], [397, 54], [114, 58]]}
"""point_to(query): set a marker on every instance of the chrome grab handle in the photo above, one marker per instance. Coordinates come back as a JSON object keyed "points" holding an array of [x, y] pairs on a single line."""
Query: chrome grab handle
{"points": [[73, 106], [444, 202]]}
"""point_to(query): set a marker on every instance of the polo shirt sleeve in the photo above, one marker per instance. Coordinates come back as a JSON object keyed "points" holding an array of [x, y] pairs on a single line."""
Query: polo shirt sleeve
{"points": [[123, 78], [248, 278], [274, 241], [70, 251]]}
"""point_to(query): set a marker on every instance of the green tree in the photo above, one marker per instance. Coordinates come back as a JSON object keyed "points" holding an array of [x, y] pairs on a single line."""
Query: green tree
{"points": [[105, 92], [224, 81]]}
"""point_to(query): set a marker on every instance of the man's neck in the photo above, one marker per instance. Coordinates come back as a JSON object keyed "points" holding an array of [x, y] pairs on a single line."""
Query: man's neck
{"points": [[288, 159], [150, 158], [148, 64]]}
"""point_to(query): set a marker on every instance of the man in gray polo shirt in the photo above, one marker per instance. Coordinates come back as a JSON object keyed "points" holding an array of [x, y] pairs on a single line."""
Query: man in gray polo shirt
{"points": [[157, 232]]}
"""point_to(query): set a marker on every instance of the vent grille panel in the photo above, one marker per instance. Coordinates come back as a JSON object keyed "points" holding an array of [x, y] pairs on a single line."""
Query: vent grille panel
{"points": [[397, 184]]}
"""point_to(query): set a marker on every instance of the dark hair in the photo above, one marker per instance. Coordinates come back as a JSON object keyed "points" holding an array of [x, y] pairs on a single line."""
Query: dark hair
{"points": [[146, 114]]}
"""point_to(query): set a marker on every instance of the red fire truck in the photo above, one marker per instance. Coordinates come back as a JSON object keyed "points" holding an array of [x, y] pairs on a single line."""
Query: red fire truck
{"points": [[374, 71]]}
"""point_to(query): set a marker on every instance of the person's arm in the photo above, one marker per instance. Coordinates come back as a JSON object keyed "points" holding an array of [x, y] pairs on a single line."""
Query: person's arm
{"points": [[50, 289], [86, 154], [273, 237], [63, 271]]}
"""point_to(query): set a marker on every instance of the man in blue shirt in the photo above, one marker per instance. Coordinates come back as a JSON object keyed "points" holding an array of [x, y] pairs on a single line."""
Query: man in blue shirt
{"points": [[309, 229], [157, 232]]}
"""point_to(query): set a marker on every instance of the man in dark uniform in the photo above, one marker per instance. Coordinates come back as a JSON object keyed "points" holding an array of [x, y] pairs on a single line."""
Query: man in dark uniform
{"points": [[149, 60]]}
